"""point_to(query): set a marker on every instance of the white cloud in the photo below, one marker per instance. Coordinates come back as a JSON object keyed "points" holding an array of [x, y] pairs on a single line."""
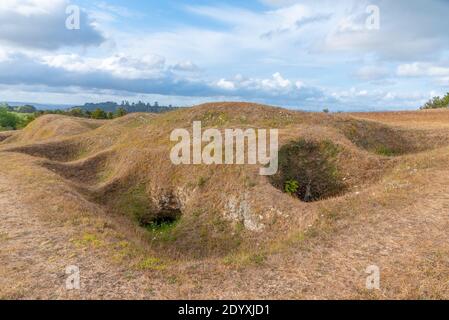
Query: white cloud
{"points": [[419, 69], [30, 7], [42, 24], [272, 85], [117, 10], [371, 72], [185, 66], [379, 99], [118, 65], [402, 37], [226, 84]]}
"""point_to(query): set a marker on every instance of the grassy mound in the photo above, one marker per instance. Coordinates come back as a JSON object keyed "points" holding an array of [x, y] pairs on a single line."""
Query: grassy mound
{"points": [[123, 166], [53, 126]]}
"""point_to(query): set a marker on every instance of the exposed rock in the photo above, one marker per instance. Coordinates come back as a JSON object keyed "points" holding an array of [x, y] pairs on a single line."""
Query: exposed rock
{"points": [[239, 209]]}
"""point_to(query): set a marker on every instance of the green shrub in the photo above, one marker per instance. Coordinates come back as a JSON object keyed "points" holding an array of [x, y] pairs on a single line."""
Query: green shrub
{"points": [[437, 102], [99, 114], [120, 112], [291, 186], [9, 120]]}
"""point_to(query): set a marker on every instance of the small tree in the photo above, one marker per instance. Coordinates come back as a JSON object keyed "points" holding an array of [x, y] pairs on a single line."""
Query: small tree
{"points": [[76, 112], [99, 114], [437, 102], [120, 112]]}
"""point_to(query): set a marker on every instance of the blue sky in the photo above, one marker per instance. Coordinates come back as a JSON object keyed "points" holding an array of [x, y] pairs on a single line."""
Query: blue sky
{"points": [[300, 54]]}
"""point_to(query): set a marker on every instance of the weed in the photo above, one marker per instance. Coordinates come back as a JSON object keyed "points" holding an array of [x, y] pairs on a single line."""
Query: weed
{"points": [[163, 229], [385, 151], [215, 118], [89, 240], [291, 186], [202, 182], [151, 263], [244, 259]]}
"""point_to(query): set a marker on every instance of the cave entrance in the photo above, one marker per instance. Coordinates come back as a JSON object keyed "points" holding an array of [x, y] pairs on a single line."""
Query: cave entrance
{"points": [[308, 170]]}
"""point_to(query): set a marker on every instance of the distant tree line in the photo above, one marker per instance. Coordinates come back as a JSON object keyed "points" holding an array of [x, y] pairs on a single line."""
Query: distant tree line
{"points": [[127, 106], [81, 113], [437, 103], [13, 118], [17, 117]]}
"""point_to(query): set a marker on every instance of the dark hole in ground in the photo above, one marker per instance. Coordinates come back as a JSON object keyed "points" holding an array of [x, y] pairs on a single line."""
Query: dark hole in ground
{"points": [[308, 170], [161, 223]]}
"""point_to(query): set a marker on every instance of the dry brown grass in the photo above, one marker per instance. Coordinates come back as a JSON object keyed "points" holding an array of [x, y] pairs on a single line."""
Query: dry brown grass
{"points": [[54, 126], [423, 119], [102, 179]]}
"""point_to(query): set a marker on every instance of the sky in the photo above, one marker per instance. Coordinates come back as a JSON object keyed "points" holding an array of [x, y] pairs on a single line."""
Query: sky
{"points": [[346, 55]]}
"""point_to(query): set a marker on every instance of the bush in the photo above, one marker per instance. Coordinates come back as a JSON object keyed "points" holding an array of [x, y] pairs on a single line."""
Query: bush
{"points": [[120, 112], [76, 112], [8, 120], [13, 121], [437, 102], [99, 114]]}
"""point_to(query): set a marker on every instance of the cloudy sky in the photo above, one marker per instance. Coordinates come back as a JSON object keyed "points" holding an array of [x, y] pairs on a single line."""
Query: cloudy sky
{"points": [[301, 54]]}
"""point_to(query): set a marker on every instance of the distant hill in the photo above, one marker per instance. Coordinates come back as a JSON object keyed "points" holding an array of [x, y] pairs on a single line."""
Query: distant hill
{"points": [[40, 106], [129, 107]]}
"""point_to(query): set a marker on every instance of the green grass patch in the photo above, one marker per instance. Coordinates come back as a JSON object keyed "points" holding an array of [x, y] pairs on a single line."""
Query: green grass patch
{"points": [[88, 240], [135, 203], [163, 229], [385, 151], [152, 263], [215, 118], [245, 259]]}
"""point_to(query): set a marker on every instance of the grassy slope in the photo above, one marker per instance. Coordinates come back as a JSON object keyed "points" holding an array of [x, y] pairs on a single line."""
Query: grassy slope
{"points": [[120, 166]]}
